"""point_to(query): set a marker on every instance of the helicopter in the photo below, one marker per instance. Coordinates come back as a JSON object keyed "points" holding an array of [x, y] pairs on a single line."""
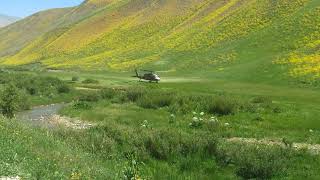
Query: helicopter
{"points": [[148, 75]]}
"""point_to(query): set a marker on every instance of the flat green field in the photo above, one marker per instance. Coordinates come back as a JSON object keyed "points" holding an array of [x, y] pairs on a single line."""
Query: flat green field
{"points": [[300, 104]]}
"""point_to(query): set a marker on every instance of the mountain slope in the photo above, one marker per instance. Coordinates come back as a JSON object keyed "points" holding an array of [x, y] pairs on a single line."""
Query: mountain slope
{"points": [[6, 20], [223, 35]]}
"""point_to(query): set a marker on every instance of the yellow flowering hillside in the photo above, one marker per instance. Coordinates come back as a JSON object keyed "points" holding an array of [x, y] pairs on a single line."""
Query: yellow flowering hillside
{"points": [[179, 34]]}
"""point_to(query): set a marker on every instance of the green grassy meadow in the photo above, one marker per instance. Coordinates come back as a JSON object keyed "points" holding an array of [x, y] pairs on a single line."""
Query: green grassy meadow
{"points": [[147, 131]]}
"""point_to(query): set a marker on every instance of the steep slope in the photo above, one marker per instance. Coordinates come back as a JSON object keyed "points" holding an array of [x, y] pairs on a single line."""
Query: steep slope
{"points": [[6, 20], [262, 37], [19, 36]]}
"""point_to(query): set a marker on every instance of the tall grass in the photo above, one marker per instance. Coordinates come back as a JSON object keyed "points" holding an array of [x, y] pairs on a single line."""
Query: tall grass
{"points": [[222, 106], [173, 149], [257, 161], [181, 103]]}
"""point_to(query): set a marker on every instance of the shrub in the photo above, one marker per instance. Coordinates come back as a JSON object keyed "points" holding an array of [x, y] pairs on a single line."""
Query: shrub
{"points": [[91, 97], [24, 101], [249, 107], [153, 101], [64, 88], [210, 144], [10, 101], [185, 104], [164, 100], [255, 161], [101, 144], [90, 81], [277, 109], [181, 104], [81, 105], [159, 145], [262, 100], [133, 94], [131, 169], [166, 143], [31, 90], [120, 98], [258, 118], [261, 163], [38, 85], [75, 78], [108, 93], [222, 106]]}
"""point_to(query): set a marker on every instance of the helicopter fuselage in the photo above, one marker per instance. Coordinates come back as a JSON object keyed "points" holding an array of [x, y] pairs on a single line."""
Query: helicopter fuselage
{"points": [[149, 76]]}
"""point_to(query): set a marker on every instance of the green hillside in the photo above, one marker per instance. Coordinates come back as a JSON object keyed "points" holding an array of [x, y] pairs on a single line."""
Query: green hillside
{"points": [[235, 38]]}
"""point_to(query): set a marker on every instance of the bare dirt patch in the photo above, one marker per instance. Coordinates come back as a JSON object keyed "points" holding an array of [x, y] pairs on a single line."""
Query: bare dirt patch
{"points": [[10, 178], [86, 89], [57, 120], [311, 148]]}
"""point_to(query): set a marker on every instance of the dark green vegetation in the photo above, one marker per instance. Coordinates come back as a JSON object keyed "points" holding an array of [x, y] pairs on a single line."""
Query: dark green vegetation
{"points": [[21, 91], [12, 100]]}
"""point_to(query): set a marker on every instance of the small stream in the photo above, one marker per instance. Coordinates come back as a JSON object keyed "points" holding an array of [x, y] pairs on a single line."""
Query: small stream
{"points": [[48, 116], [40, 114]]}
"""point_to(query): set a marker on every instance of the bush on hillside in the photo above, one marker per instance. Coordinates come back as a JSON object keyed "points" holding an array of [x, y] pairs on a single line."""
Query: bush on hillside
{"points": [[90, 81]]}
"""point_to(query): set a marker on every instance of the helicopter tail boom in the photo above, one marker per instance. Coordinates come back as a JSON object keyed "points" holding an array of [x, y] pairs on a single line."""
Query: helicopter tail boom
{"points": [[137, 74]]}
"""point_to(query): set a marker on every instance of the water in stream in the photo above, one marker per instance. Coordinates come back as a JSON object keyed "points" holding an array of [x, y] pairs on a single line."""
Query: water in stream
{"points": [[40, 114], [48, 116]]}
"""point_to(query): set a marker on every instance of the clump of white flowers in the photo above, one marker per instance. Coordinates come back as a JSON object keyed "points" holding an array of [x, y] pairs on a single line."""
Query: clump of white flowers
{"points": [[145, 124], [196, 122], [199, 119], [214, 119], [172, 118]]}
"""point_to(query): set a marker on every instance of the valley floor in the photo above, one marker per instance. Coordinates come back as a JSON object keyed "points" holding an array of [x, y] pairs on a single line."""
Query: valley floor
{"points": [[170, 130]]}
